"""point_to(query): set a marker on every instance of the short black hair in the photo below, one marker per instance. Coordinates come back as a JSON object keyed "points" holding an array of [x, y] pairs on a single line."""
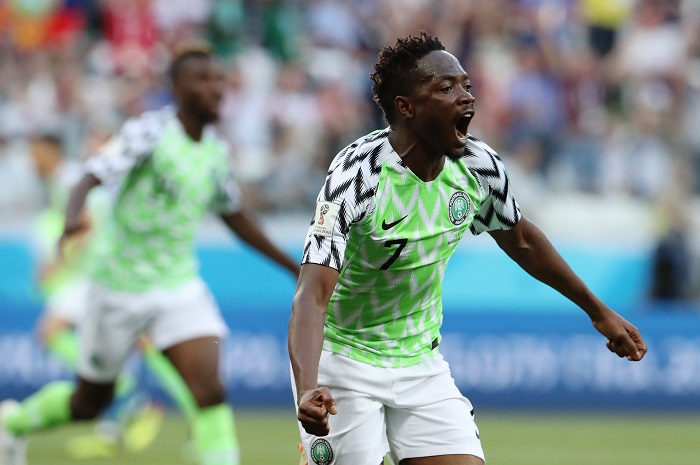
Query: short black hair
{"points": [[185, 53], [395, 69]]}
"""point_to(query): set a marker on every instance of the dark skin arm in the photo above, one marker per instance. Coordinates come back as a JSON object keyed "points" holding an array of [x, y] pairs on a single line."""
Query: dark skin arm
{"points": [[238, 222], [249, 232], [75, 220], [529, 247], [314, 290]]}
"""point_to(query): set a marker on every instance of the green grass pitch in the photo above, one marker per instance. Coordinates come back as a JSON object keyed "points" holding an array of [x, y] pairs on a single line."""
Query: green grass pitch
{"points": [[270, 438]]}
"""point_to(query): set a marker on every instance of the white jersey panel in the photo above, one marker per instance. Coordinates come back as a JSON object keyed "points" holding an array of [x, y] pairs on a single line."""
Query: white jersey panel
{"points": [[131, 146], [499, 210], [350, 186]]}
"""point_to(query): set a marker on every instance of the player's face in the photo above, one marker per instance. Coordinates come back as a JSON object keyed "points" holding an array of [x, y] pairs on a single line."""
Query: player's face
{"points": [[443, 104], [200, 87]]}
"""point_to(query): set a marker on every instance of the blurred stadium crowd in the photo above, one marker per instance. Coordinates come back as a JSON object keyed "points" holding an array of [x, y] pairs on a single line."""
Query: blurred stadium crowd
{"points": [[600, 97]]}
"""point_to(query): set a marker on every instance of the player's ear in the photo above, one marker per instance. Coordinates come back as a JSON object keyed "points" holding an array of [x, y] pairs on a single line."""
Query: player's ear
{"points": [[403, 106]]}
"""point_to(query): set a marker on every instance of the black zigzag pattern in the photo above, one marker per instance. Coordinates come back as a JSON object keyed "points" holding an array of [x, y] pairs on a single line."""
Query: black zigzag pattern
{"points": [[350, 174], [333, 193], [327, 261], [319, 240], [351, 184], [499, 210], [333, 259], [375, 166], [378, 135], [343, 224], [305, 255], [348, 160], [361, 193], [137, 138]]}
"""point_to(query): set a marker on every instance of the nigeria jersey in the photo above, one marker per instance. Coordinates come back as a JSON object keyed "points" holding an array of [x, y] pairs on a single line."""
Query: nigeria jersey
{"points": [[167, 183], [390, 235]]}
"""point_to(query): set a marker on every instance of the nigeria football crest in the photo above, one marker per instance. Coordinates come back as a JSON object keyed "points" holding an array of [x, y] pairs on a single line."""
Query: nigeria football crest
{"points": [[321, 452], [459, 207]]}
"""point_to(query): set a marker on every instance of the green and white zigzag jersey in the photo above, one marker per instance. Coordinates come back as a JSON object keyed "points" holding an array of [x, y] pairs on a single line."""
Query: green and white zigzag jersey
{"points": [[168, 181], [391, 235]]}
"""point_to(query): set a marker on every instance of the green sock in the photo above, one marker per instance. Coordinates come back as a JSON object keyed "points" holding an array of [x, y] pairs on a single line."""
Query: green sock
{"points": [[215, 435], [125, 384], [64, 346], [50, 406], [170, 380]]}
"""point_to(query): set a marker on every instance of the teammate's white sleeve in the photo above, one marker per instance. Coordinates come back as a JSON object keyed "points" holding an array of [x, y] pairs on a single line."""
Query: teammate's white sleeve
{"points": [[129, 147]]}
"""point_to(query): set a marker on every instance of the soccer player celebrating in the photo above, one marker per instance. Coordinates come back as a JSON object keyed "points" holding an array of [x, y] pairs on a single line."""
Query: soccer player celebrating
{"points": [[365, 325], [173, 168]]}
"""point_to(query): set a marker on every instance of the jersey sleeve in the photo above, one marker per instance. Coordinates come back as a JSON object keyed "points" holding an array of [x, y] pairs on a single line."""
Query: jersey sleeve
{"points": [[499, 210], [343, 201], [128, 148]]}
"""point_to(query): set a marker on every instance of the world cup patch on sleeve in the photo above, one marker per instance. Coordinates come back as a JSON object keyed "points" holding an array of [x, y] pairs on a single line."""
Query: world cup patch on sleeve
{"points": [[325, 218]]}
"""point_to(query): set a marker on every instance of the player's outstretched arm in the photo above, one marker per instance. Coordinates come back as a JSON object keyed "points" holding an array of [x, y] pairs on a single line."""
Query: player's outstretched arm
{"points": [[75, 220], [305, 340], [241, 224], [530, 248]]}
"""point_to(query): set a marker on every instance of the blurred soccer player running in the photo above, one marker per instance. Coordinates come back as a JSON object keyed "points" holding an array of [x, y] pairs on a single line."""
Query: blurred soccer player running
{"points": [[131, 420], [174, 168], [364, 332]]}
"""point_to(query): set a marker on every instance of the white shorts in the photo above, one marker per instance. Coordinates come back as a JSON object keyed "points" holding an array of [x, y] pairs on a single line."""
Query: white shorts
{"points": [[116, 319], [69, 303], [415, 411]]}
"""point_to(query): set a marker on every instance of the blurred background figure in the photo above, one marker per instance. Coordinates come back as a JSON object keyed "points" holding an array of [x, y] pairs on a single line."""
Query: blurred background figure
{"points": [[132, 420]]}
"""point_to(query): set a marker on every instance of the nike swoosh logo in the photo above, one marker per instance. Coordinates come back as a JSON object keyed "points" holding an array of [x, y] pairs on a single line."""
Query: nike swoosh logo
{"points": [[386, 226]]}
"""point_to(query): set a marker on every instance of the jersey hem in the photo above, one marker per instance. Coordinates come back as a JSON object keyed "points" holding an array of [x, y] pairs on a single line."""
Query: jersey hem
{"points": [[384, 361], [321, 264]]}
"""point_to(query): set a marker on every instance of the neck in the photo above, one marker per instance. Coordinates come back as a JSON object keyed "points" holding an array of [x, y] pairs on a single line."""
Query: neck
{"points": [[193, 126], [423, 163]]}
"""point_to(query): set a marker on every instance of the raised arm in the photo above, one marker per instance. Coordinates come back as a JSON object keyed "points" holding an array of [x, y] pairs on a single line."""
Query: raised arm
{"points": [[532, 251], [244, 227], [314, 289]]}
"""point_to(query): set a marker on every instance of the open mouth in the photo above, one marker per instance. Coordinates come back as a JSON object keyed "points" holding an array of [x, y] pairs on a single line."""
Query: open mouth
{"points": [[462, 126]]}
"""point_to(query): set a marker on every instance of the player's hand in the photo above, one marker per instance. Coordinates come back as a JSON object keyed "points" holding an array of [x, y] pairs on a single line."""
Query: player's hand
{"points": [[623, 337], [71, 231], [314, 407]]}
